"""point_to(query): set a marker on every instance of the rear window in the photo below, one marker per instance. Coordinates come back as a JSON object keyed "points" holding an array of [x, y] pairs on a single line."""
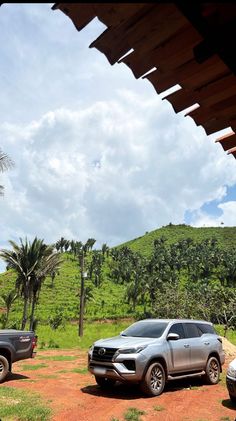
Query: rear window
{"points": [[192, 330], [205, 328], [146, 329]]}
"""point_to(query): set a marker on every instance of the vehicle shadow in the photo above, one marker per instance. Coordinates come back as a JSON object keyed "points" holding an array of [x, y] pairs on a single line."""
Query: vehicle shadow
{"points": [[15, 376], [229, 404], [132, 391]]}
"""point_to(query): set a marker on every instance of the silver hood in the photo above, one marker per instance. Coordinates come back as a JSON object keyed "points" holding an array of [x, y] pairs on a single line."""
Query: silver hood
{"points": [[125, 342]]}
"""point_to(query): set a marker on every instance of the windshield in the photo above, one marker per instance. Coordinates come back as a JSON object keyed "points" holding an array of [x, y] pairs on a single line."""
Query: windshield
{"points": [[146, 329]]}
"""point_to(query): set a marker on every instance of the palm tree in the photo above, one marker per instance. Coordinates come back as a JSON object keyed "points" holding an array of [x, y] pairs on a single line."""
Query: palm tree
{"points": [[5, 164], [7, 300], [32, 262]]}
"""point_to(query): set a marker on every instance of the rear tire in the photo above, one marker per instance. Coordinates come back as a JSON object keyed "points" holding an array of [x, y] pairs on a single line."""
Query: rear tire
{"points": [[104, 382], [4, 368], [212, 375], [154, 380]]}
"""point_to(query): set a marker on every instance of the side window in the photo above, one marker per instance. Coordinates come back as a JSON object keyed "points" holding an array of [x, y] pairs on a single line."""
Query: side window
{"points": [[192, 330], [178, 328], [205, 328]]}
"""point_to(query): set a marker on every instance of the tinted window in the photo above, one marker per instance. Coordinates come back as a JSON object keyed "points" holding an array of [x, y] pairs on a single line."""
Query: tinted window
{"points": [[192, 330], [204, 328], [178, 328], [146, 329]]}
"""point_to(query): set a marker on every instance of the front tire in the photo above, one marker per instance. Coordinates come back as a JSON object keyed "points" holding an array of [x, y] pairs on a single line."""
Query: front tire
{"points": [[4, 368], [154, 380], [104, 382], [212, 375]]}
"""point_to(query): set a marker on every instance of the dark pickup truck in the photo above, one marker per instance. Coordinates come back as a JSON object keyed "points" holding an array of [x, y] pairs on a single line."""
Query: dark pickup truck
{"points": [[15, 345]]}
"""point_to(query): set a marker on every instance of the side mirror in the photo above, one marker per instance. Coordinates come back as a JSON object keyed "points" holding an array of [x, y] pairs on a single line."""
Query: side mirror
{"points": [[173, 337]]}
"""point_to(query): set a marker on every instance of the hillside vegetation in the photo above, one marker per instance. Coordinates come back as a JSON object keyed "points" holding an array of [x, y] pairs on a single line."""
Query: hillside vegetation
{"points": [[185, 275], [226, 237]]}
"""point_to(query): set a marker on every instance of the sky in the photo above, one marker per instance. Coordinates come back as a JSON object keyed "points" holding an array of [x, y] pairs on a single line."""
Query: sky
{"points": [[97, 153]]}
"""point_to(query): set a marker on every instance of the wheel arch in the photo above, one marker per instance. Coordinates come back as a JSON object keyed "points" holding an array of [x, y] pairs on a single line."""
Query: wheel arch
{"points": [[156, 359], [216, 355], [7, 354]]}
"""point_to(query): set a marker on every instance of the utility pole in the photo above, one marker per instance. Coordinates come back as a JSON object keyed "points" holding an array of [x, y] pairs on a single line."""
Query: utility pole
{"points": [[81, 307]]}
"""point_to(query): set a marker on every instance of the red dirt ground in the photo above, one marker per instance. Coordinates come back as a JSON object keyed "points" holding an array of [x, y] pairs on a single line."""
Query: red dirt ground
{"points": [[76, 397]]}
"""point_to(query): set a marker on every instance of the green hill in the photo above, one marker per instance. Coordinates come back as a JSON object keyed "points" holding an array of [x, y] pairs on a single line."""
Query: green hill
{"points": [[109, 299], [226, 237]]}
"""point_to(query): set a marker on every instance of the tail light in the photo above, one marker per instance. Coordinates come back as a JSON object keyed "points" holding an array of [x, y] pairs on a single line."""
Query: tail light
{"points": [[34, 344]]}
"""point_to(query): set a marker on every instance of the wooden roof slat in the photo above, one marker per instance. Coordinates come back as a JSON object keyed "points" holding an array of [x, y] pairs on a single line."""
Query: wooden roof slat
{"points": [[215, 125], [81, 14], [190, 75], [171, 54], [113, 42], [113, 14], [134, 30], [222, 109], [228, 141], [159, 31], [232, 150], [205, 95]]}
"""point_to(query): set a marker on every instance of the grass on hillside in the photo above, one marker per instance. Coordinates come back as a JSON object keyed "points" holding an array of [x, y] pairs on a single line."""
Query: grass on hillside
{"points": [[226, 237], [22, 406], [67, 337]]}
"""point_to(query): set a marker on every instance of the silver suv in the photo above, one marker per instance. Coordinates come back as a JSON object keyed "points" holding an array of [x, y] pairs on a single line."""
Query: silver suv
{"points": [[151, 352]]}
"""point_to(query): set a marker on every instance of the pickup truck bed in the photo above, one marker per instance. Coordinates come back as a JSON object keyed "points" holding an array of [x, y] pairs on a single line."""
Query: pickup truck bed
{"points": [[15, 345]]}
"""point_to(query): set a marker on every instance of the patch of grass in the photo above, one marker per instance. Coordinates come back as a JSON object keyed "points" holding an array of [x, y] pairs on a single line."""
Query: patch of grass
{"points": [[22, 406], [133, 414], [225, 419], [158, 408], [57, 358], [82, 370], [115, 419], [48, 376], [68, 338], [223, 379], [29, 367]]}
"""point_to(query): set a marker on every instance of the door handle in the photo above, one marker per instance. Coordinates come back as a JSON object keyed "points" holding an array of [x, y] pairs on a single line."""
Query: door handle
{"points": [[206, 343], [186, 346]]}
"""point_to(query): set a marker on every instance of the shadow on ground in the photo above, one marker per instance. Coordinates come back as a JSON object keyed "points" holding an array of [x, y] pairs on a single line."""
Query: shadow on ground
{"points": [[15, 376], [128, 391], [229, 404]]}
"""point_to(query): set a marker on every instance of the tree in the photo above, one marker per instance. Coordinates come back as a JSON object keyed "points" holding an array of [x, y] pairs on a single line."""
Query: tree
{"points": [[5, 164], [32, 262], [7, 300], [82, 263]]}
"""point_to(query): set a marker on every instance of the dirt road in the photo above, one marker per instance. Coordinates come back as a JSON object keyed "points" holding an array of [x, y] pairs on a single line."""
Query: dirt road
{"points": [[74, 396]]}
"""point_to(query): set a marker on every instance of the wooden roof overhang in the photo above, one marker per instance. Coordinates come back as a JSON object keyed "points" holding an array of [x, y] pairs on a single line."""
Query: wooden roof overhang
{"points": [[192, 44]]}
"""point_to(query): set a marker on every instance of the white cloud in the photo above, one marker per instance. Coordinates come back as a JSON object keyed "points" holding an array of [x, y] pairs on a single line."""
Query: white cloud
{"points": [[227, 217], [98, 153], [105, 171]]}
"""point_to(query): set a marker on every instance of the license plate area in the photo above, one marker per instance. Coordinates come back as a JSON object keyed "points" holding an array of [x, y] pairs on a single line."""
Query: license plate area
{"points": [[99, 370]]}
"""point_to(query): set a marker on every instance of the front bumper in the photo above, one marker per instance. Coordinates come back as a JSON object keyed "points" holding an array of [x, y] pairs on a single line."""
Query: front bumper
{"points": [[124, 368], [231, 385]]}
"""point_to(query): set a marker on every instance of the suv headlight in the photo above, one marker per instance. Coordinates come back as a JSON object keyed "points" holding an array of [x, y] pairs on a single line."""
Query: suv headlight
{"points": [[133, 350], [231, 372], [90, 351]]}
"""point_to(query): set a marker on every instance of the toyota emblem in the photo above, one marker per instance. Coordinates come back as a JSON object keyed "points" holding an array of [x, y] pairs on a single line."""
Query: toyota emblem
{"points": [[102, 351]]}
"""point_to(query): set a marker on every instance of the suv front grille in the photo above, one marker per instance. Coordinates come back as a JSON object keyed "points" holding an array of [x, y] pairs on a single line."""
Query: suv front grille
{"points": [[103, 354]]}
